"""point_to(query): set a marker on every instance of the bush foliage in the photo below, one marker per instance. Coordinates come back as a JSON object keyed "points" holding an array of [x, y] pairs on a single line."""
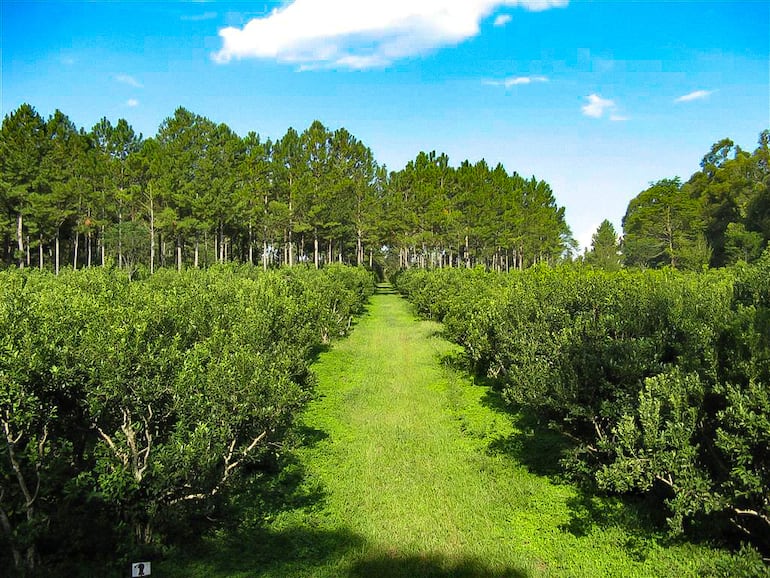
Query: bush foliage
{"points": [[130, 408], [661, 377]]}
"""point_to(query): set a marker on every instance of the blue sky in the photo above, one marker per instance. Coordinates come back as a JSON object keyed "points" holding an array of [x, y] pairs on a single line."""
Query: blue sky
{"points": [[598, 98]]}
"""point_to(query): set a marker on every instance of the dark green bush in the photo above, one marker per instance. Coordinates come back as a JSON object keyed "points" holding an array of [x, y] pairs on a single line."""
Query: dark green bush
{"points": [[662, 377], [144, 401]]}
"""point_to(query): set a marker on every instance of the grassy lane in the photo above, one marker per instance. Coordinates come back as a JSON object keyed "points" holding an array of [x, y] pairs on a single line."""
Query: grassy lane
{"points": [[408, 469]]}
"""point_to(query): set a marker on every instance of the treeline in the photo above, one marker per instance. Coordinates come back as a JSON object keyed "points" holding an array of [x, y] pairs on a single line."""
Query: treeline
{"points": [[197, 194], [720, 216], [131, 411], [661, 379]]}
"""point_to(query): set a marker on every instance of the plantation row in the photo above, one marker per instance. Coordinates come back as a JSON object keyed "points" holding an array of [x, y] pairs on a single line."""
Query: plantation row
{"points": [[128, 410], [662, 379]]}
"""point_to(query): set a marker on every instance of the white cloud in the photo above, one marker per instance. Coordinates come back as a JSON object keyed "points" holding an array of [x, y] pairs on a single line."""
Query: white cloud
{"points": [[129, 80], [696, 95], [502, 20], [516, 81], [597, 106], [132, 102], [356, 34], [618, 118]]}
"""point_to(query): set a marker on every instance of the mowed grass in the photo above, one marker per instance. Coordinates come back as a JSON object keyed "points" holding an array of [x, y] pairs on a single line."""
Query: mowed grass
{"points": [[406, 468]]}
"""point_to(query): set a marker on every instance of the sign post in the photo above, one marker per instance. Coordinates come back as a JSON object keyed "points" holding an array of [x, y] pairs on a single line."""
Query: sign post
{"points": [[141, 569]]}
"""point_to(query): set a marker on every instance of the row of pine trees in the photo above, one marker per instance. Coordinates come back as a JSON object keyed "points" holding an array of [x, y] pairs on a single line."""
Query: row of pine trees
{"points": [[197, 193]]}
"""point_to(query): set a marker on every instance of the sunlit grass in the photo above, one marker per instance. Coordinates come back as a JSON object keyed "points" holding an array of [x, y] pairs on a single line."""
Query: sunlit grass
{"points": [[409, 469]]}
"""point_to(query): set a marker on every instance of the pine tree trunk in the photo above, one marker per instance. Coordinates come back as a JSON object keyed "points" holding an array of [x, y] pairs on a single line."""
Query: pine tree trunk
{"points": [[291, 250], [120, 236], [359, 248], [221, 236], [20, 239], [56, 250], [316, 256], [152, 237], [251, 244]]}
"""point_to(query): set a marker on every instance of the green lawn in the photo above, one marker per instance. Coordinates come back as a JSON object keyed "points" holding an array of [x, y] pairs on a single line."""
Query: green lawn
{"points": [[406, 468]]}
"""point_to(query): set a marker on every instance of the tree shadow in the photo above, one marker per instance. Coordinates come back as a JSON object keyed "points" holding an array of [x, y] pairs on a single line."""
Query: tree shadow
{"points": [[641, 518], [262, 551], [245, 541], [392, 565], [385, 289], [534, 444], [541, 448], [316, 350]]}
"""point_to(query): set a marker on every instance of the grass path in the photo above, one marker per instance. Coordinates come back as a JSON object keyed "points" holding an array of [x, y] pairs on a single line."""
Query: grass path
{"points": [[408, 469]]}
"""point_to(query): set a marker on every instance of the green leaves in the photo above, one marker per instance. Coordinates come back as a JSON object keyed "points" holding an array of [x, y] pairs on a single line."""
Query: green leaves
{"points": [[663, 226], [605, 249], [661, 378], [142, 397], [718, 217]]}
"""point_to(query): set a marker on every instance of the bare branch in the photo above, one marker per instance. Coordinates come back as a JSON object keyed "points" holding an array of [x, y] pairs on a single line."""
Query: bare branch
{"points": [[145, 453], [11, 444], [666, 480], [598, 429], [245, 453], [119, 453], [764, 517], [228, 469], [39, 464]]}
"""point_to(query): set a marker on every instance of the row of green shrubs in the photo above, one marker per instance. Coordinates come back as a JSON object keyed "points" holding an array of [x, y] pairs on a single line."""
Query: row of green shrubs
{"points": [[129, 410], [661, 378]]}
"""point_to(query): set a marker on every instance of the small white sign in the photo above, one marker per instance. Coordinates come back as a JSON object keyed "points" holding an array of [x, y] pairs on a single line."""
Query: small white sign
{"points": [[141, 569]]}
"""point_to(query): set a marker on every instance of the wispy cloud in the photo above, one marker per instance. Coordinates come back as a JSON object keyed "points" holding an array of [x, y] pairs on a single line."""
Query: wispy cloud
{"points": [[199, 17], [618, 118], [516, 81], [695, 95], [597, 106], [502, 20], [132, 102], [355, 34], [129, 80]]}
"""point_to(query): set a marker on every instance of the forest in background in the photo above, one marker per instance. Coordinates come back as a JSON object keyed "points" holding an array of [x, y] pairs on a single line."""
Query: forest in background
{"points": [[196, 194], [719, 216]]}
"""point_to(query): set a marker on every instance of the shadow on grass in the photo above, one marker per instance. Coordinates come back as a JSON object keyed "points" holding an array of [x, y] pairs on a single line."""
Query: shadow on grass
{"points": [[305, 551], [428, 566], [295, 551], [535, 445], [385, 289], [541, 449], [590, 510]]}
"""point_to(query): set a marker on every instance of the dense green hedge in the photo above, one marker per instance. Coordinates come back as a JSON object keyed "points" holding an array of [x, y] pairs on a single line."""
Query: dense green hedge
{"points": [[661, 377], [128, 407]]}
